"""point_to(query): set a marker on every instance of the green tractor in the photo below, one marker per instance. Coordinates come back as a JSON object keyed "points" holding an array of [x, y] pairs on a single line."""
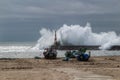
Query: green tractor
{"points": [[80, 55]]}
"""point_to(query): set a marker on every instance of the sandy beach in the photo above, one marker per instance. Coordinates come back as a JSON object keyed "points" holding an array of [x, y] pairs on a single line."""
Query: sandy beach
{"points": [[97, 68]]}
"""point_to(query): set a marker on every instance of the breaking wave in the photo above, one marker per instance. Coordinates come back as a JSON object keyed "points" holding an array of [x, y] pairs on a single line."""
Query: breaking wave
{"points": [[78, 35]]}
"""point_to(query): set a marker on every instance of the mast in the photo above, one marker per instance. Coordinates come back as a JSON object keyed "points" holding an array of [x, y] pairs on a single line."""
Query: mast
{"points": [[55, 40]]}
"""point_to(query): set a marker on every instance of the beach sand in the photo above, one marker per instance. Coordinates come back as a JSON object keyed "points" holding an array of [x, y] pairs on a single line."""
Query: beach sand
{"points": [[97, 68]]}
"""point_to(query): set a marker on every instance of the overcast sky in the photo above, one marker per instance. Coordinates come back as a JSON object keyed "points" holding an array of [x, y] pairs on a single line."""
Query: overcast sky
{"points": [[21, 20]]}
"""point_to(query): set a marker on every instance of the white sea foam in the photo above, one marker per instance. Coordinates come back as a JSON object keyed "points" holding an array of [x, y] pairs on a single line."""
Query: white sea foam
{"points": [[14, 48], [18, 51], [78, 35]]}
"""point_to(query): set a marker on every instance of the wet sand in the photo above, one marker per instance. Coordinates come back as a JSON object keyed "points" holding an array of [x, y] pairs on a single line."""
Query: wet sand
{"points": [[97, 68]]}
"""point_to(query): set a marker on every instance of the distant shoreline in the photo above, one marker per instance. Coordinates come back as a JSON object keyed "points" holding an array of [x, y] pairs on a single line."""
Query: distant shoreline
{"points": [[89, 47]]}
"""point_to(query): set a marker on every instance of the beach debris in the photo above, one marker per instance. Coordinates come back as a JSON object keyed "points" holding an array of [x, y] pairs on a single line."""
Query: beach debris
{"points": [[37, 57], [118, 66]]}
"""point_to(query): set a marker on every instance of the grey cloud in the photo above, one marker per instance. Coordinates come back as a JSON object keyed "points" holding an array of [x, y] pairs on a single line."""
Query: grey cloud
{"points": [[38, 8], [20, 18]]}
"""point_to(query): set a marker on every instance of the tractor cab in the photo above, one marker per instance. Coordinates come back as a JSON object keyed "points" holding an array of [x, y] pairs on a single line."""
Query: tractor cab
{"points": [[50, 53]]}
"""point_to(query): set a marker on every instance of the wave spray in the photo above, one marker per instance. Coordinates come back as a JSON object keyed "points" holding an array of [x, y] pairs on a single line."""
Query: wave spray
{"points": [[77, 35]]}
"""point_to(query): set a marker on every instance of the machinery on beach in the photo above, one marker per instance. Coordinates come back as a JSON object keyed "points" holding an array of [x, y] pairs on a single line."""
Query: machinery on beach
{"points": [[80, 55], [51, 52]]}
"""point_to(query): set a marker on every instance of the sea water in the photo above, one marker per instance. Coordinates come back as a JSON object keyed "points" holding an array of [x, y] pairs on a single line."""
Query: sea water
{"points": [[18, 50], [25, 50]]}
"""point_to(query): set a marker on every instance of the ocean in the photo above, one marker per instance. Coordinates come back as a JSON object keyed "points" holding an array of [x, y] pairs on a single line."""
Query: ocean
{"points": [[18, 50], [25, 50]]}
